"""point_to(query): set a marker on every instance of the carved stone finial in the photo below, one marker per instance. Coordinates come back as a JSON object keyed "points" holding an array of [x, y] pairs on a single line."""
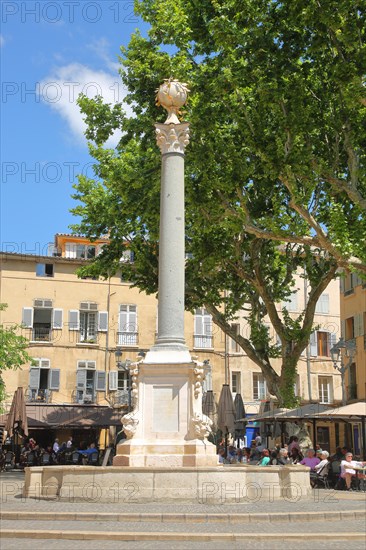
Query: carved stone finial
{"points": [[172, 95]]}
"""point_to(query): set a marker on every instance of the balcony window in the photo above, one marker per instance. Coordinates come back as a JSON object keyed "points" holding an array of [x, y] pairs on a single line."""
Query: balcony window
{"points": [[127, 325], [325, 389], [259, 387], [44, 270], [202, 329]]}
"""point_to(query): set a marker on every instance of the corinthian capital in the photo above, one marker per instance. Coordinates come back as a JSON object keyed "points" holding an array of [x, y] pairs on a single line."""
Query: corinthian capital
{"points": [[172, 138]]}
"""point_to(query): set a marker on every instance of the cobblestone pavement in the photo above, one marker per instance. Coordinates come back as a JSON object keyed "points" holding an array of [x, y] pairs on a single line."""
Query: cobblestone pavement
{"points": [[321, 501]]}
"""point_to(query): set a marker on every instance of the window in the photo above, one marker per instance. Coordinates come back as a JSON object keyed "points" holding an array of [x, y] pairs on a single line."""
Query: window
{"points": [[89, 381], [291, 303], [322, 305], [325, 389], [81, 251], [42, 380], [350, 328], [119, 382], [202, 329], [44, 270], [85, 251], [321, 343], [352, 382], [235, 382], [87, 322], [234, 346], [127, 325], [349, 284], [42, 319], [259, 386]]}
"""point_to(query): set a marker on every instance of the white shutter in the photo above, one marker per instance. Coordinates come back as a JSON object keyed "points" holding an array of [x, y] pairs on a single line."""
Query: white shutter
{"points": [[57, 318], [314, 344], [74, 322], [34, 376], [81, 379], [113, 380], [27, 317], [103, 321], [132, 320], [122, 319], [198, 322], [54, 379], [101, 380], [358, 324], [322, 305]]}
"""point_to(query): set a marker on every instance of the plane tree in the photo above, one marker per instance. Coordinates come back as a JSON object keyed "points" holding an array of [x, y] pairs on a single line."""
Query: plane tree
{"points": [[275, 171]]}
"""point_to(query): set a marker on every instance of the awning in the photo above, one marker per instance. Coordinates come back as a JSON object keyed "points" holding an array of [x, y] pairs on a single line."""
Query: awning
{"points": [[45, 416]]}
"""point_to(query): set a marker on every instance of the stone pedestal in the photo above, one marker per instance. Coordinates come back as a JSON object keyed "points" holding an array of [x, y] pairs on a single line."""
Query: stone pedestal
{"points": [[166, 427]]}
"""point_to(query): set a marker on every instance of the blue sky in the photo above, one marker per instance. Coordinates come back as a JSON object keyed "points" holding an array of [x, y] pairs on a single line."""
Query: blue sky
{"points": [[50, 52]]}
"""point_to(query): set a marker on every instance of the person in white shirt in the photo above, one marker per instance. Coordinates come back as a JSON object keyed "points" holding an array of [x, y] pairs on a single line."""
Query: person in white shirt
{"points": [[321, 469], [69, 443], [56, 446], [347, 469]]}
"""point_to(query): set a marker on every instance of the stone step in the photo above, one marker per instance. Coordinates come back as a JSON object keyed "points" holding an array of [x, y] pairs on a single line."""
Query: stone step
{"points": [[186, 518], [178, 536]]}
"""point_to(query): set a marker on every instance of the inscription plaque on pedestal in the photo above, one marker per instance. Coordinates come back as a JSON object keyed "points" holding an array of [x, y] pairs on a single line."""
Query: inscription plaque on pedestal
{"points": [[165, 408]]}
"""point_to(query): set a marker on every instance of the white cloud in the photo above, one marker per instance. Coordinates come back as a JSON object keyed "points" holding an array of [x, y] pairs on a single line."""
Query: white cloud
{"points": [[2, 41], [61, 89]]}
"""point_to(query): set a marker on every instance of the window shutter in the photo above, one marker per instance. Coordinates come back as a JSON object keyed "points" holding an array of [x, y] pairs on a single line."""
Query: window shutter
{"points": [[341, 283], [322, 305], [198, 322], [343, 329], [313, 344], [34, 376], [57, 318], [132, 321], [113, 380], [54, 380], [358, 330], [74, 319], [101, 380], [27, 317], [122, 320], [81, 379], [103, 321]]}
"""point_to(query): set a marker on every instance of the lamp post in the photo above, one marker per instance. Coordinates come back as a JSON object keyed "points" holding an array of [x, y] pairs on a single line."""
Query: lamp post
{"points": [[350, 351], [125, 366]]}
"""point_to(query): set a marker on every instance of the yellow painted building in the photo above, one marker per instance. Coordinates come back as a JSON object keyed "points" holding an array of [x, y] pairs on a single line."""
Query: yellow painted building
{"points": [[75, 326], [353, 323]]}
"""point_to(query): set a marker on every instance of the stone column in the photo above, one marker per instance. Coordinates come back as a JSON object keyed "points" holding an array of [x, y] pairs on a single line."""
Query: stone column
{"points": [[172, 138]]}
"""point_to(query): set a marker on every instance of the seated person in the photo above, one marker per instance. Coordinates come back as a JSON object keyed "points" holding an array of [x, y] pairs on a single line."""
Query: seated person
{"points": [[310, 460], [321, 469], [265, 460], [295, 456], [348, 471], [231, 454], [282, 458]]}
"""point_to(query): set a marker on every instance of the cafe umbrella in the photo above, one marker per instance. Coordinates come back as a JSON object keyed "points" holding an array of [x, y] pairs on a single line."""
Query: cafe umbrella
{"points": [[226, 413], [17, 422], [209, 408], [239, 416]]}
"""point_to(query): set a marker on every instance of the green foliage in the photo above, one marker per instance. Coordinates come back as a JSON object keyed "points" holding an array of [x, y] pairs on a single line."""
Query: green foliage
{"points": [[275, 171], [13, 352]]}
